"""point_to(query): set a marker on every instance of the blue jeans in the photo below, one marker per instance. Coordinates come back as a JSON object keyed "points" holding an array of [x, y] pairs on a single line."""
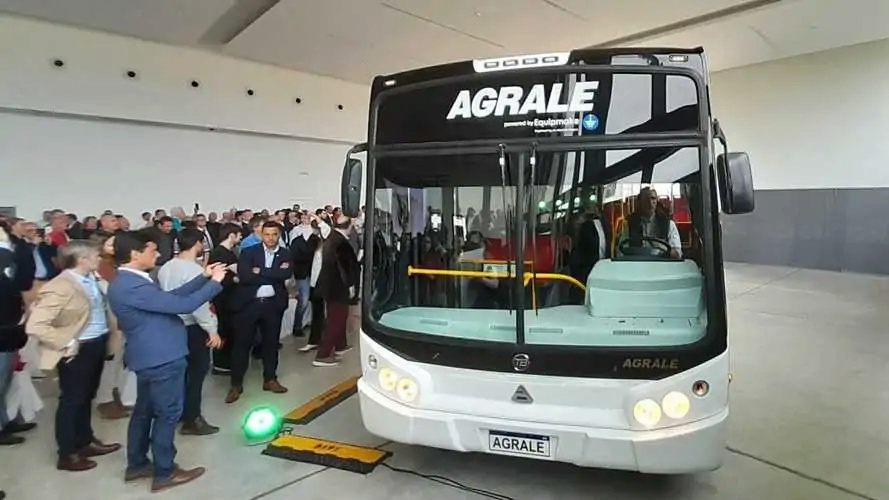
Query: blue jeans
{"points": [[302, 303], [7, 360], [160, 396]]}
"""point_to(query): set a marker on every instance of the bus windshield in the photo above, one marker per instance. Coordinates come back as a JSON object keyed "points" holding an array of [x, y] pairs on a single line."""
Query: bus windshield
{"points": [[610, 256], [496, 222]]}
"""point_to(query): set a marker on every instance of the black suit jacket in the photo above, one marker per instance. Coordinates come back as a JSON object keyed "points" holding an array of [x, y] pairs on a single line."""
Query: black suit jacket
{"points": [[12, 334], [339, 269], [213, 228], [252, 258], [24, 262]]}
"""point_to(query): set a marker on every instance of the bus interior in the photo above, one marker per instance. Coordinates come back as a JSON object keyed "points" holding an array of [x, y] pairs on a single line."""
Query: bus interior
{"points": [[459, 279]]}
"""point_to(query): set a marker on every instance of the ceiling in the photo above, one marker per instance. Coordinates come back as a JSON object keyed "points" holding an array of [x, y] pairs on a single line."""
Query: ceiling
{"points": [[355, 40]]}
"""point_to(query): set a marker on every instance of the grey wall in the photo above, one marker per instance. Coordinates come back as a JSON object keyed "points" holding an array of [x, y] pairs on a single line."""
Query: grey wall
{"points": [[831, 229]]}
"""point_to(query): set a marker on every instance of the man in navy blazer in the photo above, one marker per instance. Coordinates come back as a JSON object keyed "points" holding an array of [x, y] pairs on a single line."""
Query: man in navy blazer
{"points": [[156, 350], [259, 302]]}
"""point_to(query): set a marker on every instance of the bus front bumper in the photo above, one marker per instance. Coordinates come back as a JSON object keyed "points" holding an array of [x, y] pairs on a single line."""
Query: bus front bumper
{"points": [[693, 447]]}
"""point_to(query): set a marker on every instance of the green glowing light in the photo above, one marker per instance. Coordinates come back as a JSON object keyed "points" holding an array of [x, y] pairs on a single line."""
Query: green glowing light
{"points": [[261, 423]]}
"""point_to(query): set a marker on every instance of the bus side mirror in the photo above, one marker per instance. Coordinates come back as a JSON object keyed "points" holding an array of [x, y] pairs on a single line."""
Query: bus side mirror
{"points": [[735, 183], [351, 187]]}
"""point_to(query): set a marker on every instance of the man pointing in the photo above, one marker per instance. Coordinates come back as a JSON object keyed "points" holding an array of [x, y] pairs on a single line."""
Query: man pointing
{"points": [[157, 347]]}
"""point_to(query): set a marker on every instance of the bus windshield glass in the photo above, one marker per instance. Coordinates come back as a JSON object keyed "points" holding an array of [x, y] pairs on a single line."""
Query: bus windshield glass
{"points": [[589, 246]]}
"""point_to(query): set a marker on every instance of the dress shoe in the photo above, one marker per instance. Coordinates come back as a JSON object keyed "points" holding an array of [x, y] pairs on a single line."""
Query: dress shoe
{"points": [[233, 394], [98, 448], [112, 410], [7, 439], [75, 463], [18, 427], [274, 386], [136, 474], [198, 427], [180, 476]]}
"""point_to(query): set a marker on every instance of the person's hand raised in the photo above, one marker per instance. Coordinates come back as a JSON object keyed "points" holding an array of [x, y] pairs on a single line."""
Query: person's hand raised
{"points": [[217, 272], [208, 269]]}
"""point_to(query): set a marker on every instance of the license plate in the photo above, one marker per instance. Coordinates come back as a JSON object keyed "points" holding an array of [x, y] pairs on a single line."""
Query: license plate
{"points": [[513, 443]]}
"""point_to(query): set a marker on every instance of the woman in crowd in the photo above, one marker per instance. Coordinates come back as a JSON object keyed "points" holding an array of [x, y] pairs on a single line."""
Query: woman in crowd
{"points": [[114, 376]]}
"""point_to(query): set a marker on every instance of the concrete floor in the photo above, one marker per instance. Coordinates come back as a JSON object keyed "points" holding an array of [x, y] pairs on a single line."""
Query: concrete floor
{"points": [[809, 400]]}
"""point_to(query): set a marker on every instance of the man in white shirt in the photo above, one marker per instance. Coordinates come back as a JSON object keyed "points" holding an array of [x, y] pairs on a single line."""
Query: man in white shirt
{"points": [[200, 324]]}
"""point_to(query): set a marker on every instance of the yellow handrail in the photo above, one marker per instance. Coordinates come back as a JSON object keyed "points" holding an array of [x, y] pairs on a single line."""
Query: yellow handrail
{"points": [[490, 261], [491, 274]]}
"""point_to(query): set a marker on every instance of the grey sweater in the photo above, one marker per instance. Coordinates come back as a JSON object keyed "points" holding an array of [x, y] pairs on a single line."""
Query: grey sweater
{"points": [[177, 272]]}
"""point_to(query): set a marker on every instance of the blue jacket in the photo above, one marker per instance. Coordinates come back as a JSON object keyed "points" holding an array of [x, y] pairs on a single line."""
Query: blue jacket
{"points": [[148, 317]]}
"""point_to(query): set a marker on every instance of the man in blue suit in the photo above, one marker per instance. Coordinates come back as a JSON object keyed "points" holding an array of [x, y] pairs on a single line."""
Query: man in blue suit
{"points": [[156, 350], [259, 302]]}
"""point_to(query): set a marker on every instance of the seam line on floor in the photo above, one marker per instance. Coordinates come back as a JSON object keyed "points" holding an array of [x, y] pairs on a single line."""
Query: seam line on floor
{"points": [[800, 474], [767, 283]]}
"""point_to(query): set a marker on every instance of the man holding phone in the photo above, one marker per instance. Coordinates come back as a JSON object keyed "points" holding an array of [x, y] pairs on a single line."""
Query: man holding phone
{"points": [[157, 351]]}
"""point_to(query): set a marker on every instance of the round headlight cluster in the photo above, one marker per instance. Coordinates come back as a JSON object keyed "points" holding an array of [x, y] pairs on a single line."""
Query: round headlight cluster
{"points": [[405, 388], [674, 405], [647, 412]]}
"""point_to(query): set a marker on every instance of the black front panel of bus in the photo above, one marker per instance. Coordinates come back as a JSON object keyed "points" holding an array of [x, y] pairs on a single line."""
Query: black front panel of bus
{"points": [[652, 363], [511, 105]]}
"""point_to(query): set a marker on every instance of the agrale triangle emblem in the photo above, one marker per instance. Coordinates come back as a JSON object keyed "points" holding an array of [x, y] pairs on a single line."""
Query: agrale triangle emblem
{"points": [[522, 395]]}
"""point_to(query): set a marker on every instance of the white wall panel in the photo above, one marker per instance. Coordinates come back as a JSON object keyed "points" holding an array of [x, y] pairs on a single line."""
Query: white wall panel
{"points": [[92, 82], [90, 166], [814, 121], [63, 130]]}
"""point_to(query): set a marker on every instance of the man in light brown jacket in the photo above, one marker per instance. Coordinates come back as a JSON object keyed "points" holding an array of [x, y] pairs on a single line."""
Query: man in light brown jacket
{"points": [[76, 332]]}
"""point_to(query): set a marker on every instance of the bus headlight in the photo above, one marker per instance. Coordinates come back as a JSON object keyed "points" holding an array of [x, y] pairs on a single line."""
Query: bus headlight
{"points": [[388, 379], [407, 390], [676, 405], [647, 412]]}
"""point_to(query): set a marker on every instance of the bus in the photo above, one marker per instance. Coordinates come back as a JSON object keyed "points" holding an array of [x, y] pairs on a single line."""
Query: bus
{"points": [[577, 313]]}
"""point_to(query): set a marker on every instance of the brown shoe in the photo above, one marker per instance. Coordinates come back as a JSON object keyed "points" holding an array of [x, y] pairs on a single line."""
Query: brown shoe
{"points": [[7, 439], [274, 386], [98, 448], [137, 474], [233, 394], [198, 427], [112, 410], [180, 476], [75, 463]]}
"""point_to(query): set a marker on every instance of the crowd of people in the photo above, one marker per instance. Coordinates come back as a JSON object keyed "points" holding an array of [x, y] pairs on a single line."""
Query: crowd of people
{"points": [[152, 310]]}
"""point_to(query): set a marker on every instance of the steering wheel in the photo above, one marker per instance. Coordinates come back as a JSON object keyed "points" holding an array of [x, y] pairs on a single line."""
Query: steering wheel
{"points": [[661, 251]]}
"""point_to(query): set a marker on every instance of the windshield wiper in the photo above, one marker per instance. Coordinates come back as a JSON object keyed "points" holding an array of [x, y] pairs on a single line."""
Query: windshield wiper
{"points": [[532, 215]]}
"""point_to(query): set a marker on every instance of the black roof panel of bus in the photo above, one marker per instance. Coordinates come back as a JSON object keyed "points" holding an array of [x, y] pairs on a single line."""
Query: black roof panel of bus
{"points": [[589, 56]]}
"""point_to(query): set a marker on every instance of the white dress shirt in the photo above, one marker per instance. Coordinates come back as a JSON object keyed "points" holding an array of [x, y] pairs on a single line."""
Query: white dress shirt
{"points": [[266, 291]]}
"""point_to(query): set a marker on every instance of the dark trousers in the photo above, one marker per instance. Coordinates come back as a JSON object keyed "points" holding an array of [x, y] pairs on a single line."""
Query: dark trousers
{"points": [[198, 364], [318, 319], [265, 315], [334, 337], [222, 357], [160, 392], [78, 382]]}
